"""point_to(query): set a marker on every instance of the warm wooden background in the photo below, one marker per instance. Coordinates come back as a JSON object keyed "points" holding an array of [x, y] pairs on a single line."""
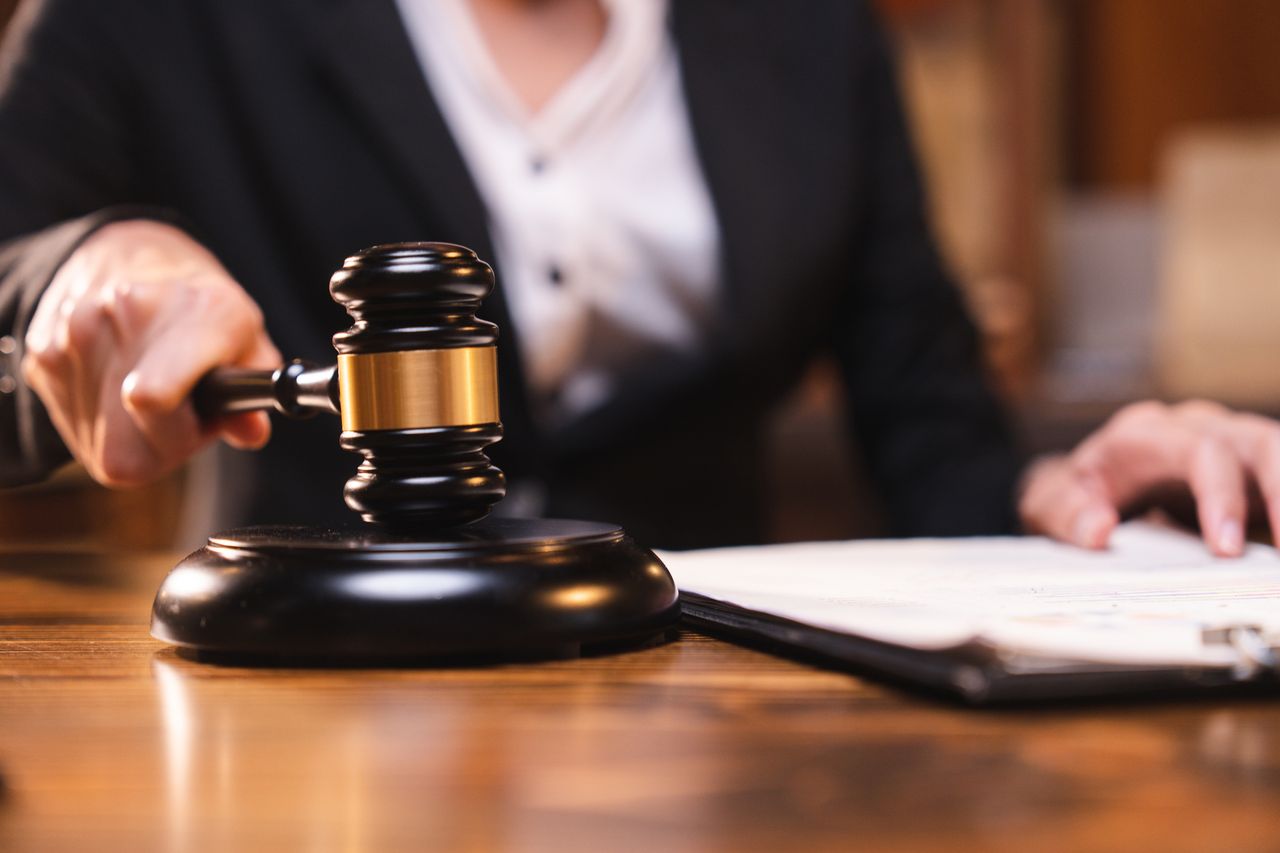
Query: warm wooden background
{"points": [[1141, 70]]}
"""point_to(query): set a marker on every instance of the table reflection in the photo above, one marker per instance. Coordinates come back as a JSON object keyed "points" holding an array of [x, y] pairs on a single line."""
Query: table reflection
{"points": [[311, 765], [453, 758], [1243, 746]]}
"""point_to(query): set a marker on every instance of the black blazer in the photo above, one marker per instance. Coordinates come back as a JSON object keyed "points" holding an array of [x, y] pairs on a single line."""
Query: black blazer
{"points": [[288, 134]]}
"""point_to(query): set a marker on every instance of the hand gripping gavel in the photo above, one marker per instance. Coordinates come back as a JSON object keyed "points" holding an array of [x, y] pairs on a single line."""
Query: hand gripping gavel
{"points": [[416, 386], [430, 576]]}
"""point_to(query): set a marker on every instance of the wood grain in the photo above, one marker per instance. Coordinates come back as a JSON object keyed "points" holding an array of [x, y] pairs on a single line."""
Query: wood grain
{"points": [[109, 741], [1140, 71]]}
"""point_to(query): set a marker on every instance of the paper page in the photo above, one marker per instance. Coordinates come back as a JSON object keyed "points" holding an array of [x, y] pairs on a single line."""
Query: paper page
{"points": [[1149, 599]]}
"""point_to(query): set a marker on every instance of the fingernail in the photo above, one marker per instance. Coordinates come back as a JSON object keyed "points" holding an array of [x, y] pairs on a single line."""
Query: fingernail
{"points": [[1091, 528], [1230, 537]]}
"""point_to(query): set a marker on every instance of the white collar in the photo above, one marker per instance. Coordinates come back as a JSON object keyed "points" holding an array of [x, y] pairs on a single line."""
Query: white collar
{"points": [[603, 85]]}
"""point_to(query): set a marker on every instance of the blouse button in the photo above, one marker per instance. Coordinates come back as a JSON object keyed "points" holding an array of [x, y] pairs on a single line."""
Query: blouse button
{"points": [[8, 346]]}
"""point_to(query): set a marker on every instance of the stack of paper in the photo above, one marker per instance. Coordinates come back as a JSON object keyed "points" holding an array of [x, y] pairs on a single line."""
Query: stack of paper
{"points": [[1156, 597]]}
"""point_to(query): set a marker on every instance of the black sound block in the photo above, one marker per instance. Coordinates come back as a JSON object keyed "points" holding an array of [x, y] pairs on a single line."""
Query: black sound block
{"points": [[499, 588]]}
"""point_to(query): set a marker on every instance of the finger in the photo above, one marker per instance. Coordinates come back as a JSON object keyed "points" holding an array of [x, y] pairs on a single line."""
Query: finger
{"points": [[130, 450], [1258, 442], [147, 392], [246, 431], [121, 454], [174, 434], [44, 371], [1218, 479], [181, 352], [85, 331], [67, 344], [261, 354], [252, 430], [178, 431], [54, 394], [1069, 503], [66, 371], [1094, 515], [1140, 448], [1267, 474]]}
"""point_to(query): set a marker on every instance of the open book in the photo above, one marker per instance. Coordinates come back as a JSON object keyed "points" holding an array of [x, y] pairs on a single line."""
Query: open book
{"points": [[1002, 617]]}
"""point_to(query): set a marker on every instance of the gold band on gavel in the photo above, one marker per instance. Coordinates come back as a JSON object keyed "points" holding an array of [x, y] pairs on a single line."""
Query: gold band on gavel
{"points": [[413, 389]]}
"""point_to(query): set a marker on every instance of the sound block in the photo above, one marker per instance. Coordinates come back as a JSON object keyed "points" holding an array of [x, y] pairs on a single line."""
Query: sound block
{"points": [[499, 588]]}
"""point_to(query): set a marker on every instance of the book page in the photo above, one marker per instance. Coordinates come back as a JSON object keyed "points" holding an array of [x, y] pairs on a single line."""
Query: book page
{"points": [[1157, 596]]}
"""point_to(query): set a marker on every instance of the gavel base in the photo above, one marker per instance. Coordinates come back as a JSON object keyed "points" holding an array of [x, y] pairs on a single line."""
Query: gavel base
{"points": [[496, 589]]}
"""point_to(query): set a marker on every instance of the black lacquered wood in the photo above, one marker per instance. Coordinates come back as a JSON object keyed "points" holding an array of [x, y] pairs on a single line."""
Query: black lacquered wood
{"points": [[410, 296], [418, 296], [418, 479], [299, 389], [510, 588]]}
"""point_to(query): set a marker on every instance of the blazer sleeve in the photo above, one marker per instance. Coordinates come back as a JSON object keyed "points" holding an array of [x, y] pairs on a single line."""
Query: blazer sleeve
{"points": [[937, 442], [66, 166]]}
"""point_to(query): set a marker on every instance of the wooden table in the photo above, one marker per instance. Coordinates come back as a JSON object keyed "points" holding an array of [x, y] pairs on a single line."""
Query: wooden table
{"points": [[110, 741]]}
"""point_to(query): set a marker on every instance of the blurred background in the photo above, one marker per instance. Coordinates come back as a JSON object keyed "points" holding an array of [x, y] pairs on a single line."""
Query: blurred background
{"points": [[1105, 182]]}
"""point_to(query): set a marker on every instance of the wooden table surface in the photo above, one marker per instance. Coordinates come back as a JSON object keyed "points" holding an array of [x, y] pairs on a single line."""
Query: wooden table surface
{"points": [[110, 741]]}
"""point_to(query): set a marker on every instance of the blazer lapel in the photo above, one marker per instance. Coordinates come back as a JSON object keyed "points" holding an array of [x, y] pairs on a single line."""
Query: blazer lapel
{"points": [[366, 52], [731, 94], [736, 102], [365, 49]]}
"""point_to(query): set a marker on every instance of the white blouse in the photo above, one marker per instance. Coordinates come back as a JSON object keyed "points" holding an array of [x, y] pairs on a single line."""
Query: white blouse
{"points": [[606, 243]]}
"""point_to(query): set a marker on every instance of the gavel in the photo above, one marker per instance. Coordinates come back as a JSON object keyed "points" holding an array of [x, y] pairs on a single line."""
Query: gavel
{"points": [[415, 384], [430, 574]]}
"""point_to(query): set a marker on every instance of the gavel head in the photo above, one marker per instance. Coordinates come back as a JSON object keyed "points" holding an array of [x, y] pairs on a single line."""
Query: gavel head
{"points": [[417, 375]]}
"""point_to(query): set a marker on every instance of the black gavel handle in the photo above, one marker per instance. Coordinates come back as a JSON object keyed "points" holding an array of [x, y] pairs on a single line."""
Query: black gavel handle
{"points": [[299, 390]]}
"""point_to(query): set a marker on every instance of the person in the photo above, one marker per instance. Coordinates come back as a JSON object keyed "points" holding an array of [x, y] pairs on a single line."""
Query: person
{"points": [[685, 202]]}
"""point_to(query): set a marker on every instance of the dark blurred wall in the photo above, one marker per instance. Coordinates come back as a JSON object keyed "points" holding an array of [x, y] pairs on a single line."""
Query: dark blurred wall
{"points": [[1139, 70]]}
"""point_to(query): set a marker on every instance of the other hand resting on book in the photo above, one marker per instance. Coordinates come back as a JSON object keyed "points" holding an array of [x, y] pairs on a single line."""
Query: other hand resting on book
{"points": [[1151, 454]]}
